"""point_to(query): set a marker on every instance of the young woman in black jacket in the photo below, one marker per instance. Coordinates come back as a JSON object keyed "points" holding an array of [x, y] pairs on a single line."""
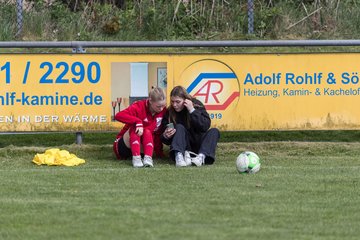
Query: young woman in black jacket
{"points": [[189, 135]]}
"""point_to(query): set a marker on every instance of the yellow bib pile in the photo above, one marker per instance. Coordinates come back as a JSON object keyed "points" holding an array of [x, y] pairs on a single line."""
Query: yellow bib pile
{"points": [[57, 157]]}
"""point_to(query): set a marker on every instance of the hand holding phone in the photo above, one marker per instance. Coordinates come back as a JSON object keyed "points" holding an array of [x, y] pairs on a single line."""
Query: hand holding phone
{"points": [[169, 131]]}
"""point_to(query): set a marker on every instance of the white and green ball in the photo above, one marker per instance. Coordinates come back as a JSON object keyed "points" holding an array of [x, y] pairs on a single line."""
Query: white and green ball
{"points": [[248, 162]]}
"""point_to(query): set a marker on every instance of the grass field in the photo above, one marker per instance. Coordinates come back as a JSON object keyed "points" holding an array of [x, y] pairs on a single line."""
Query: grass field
{"points": [[305, 190]]}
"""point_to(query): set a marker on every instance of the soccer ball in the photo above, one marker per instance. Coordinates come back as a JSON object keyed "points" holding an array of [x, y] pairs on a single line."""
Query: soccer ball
{"points": [[248, 162]]}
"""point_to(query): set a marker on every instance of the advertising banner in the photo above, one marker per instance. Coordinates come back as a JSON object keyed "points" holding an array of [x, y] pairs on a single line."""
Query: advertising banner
{"points": [[83, 92], [275, 91], [75, 92]]}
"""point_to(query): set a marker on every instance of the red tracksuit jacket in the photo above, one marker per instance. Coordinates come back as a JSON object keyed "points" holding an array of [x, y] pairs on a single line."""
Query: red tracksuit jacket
{"points": [[138, 114]]}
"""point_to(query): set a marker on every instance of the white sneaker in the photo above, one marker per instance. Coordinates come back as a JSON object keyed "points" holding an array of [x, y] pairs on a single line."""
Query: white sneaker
{"points": [[179, 160], [136, 161], [198, 160], [187, 158], [148, 161]]}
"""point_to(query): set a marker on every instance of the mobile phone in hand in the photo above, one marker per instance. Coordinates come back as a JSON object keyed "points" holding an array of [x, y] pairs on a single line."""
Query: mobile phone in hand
{"points": [[170, 125]]}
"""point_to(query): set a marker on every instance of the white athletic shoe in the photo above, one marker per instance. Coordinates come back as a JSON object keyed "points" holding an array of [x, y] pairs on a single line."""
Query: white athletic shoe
{"points": [[179, 160], [198, 160], [136, 161], [148, 161], [187, 158]]}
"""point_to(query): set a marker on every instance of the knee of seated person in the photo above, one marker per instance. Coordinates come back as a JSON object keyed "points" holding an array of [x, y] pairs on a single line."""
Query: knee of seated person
{"points": [[179, 127], [147, 131], [214, 131]]}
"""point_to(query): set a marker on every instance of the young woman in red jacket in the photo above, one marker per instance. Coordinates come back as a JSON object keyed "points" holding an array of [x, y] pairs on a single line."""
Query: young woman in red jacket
{"points": [[142, 129]]}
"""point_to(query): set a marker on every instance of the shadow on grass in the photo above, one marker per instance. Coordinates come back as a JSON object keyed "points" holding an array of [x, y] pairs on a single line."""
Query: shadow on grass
{"points": [[103, 138]]}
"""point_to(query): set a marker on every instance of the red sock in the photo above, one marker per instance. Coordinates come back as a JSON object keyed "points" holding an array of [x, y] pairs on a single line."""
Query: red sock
{"points": [[134, 142], [148, 143]]}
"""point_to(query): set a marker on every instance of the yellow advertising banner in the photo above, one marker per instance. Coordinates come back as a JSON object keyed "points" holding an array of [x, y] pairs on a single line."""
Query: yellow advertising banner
{"points": [[78, 92], [275, 91]]}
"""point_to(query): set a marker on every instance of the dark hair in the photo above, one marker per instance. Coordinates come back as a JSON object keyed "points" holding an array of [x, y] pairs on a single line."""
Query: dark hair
{"points": [[179, 91]]}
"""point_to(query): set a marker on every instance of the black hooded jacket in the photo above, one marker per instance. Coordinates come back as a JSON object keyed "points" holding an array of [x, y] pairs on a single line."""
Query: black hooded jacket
{"points": [[200, 123]]}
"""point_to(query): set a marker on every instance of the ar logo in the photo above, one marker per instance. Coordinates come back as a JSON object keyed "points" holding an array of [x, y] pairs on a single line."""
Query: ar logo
{"points": [[210, 88], [207, 90]]}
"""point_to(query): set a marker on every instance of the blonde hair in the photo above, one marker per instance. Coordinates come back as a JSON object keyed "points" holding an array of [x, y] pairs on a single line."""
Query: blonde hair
{"points": [[157, 94]]}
